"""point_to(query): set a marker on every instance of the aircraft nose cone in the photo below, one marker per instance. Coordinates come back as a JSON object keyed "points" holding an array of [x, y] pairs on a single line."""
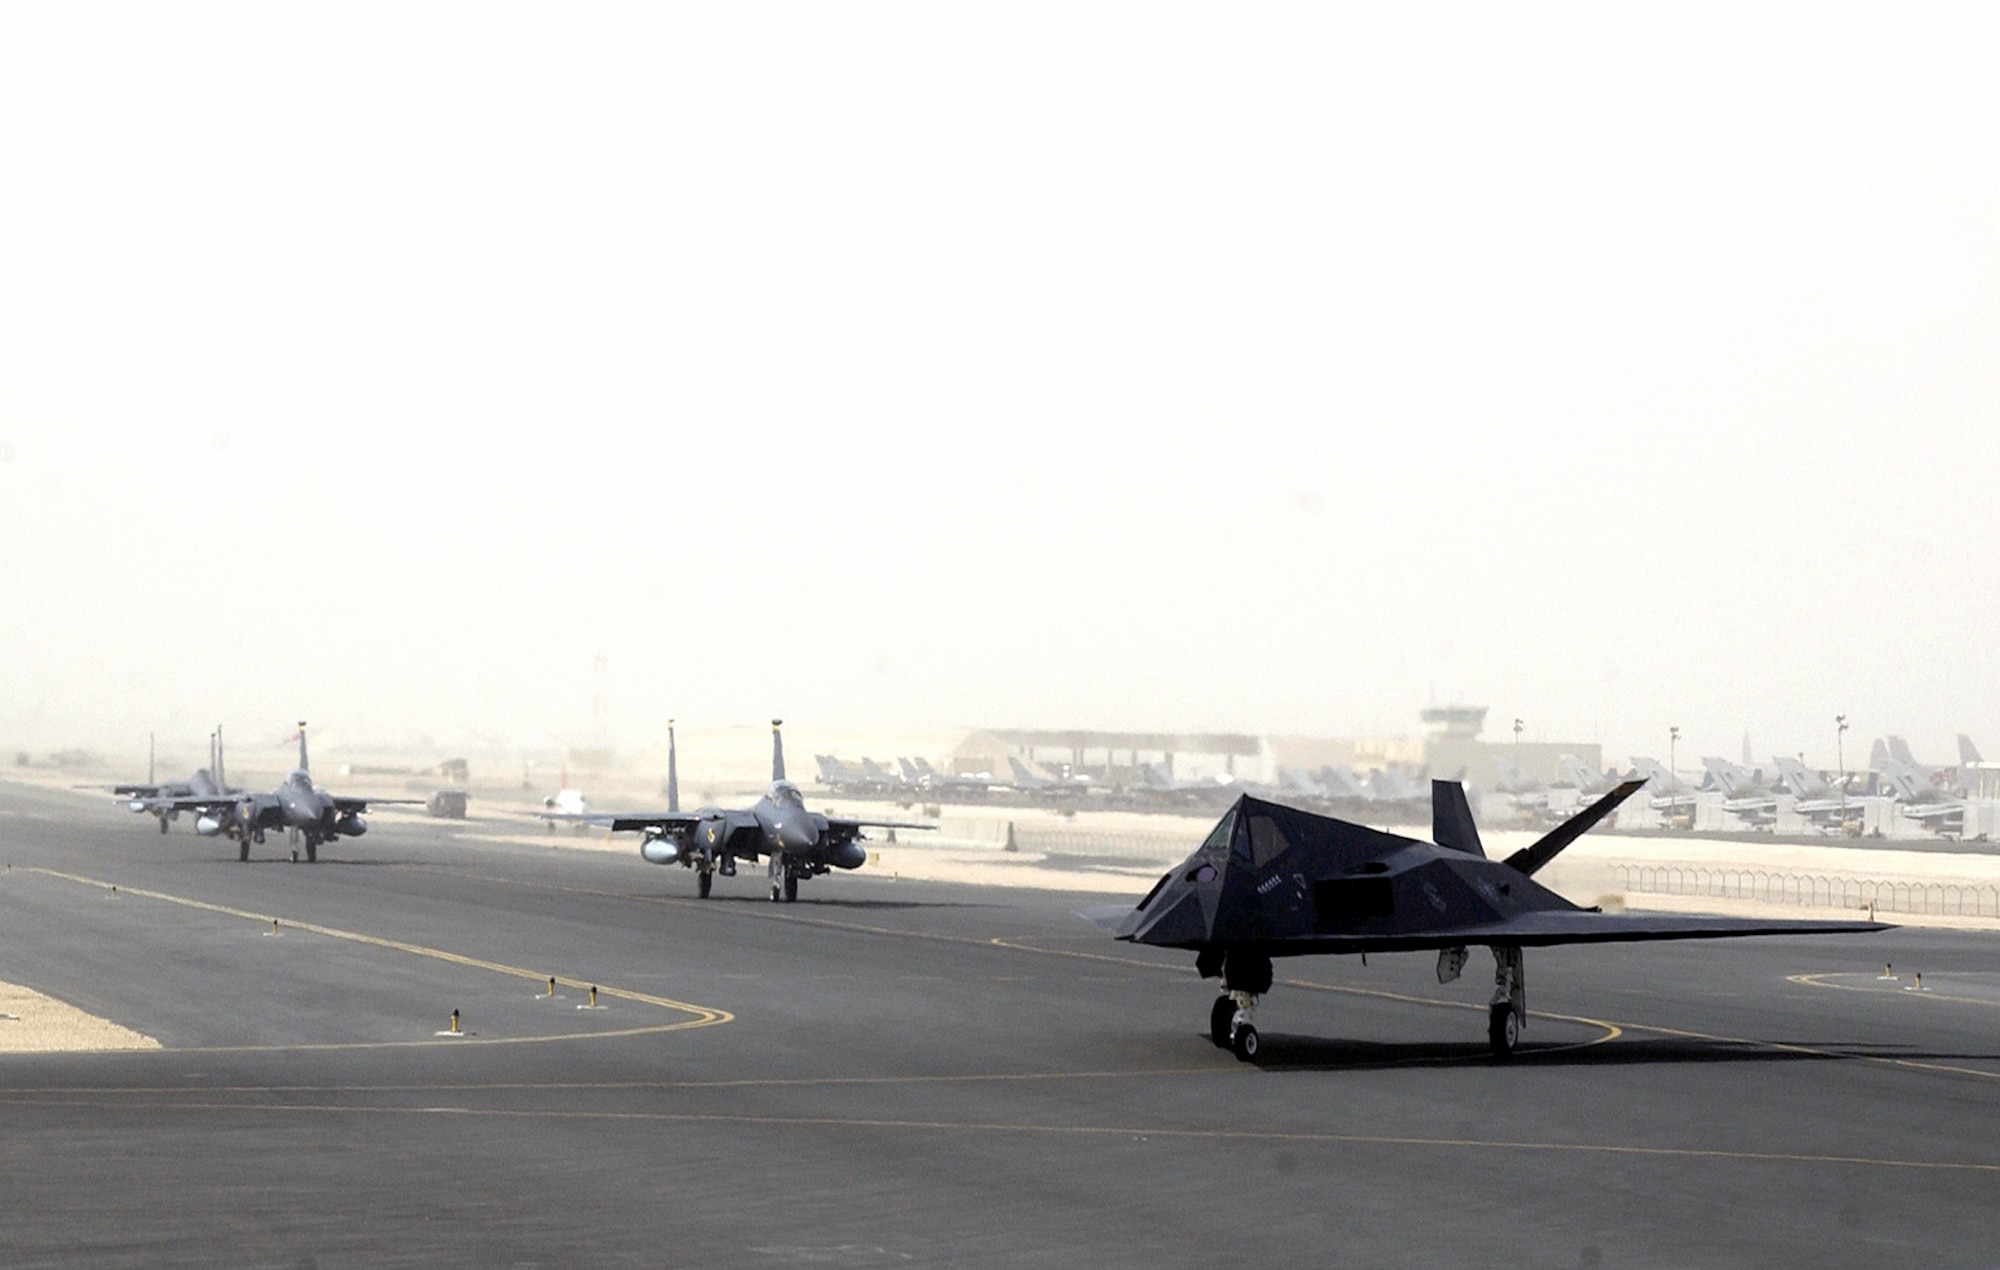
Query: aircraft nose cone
{"points": [[793, 836]]}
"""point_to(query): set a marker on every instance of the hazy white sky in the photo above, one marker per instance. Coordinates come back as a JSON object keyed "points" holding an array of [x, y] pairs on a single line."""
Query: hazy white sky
{"points": [[905, 367]]}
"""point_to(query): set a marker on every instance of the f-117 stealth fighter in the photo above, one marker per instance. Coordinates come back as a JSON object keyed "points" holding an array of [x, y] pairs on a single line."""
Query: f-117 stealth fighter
{"points": [[1271, 881], [797, 843]]}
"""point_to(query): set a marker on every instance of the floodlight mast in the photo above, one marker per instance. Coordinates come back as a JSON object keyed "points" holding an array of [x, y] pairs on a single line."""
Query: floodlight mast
{"points": [[1840, 752]]}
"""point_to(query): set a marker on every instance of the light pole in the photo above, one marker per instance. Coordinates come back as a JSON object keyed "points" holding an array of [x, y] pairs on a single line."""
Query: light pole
{"points": [[1673, 743], [1840, 753], [1517, 749]]}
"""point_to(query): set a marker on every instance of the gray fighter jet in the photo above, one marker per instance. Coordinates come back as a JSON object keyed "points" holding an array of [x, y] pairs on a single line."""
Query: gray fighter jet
{"points": [[296, 804], [160, 800], [1271, 881], [778, 828]]}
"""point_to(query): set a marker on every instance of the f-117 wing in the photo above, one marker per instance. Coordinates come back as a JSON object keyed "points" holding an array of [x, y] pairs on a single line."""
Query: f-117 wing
{"points": [[1547, 929]]}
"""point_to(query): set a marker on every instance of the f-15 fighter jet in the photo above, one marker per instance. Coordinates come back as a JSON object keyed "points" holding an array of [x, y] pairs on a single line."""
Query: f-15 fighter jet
{"points": [[163, 801], [296, 805], [798, 843], [1271, 881]]}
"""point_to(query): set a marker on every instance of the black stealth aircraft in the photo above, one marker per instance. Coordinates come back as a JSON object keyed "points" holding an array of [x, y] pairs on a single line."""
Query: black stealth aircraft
{"points": [[1271, 881]]}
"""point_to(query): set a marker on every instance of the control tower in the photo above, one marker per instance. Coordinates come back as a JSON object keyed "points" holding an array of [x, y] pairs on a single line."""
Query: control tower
{"points": [[1454, 723]]}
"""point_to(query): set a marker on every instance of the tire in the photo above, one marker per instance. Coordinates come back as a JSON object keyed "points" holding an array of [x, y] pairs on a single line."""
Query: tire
{"points": [[163, 824], [777, 891], [1244, 1043], [791, 887], [312, 851], [703, 880], [1503, 1031], [243, 848], [1220, 1016]]}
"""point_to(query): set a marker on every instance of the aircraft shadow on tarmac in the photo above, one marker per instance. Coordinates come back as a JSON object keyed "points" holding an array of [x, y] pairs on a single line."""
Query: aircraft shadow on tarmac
{"points": [[1280, 1053], [806, 906], [348, 863]]}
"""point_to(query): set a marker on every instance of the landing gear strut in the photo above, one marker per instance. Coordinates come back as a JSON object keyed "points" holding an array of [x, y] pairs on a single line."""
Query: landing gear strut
{"points": [[784, 882], [1508, 1013], [1245, 977]]}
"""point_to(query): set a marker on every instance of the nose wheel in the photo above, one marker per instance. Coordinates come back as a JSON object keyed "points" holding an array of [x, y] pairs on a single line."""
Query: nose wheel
{"points": [[1229, 1024], [784, 882], [1220, 1016]]}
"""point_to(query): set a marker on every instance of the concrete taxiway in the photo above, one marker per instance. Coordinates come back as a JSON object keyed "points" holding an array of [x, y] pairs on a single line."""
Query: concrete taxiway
{"points": [[922, 1073]]}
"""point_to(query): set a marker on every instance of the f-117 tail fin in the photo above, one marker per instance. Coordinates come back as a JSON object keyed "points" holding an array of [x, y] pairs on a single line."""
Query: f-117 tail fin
{"points": [[1529, 859], [1451, 819]]}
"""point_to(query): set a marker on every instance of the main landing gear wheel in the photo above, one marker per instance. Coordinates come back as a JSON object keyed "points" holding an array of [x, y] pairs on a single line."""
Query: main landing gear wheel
{"points": [[702, 882], [1220, 1016], [777, 890], [312, 851], [791, 887], [243, 849], [163, 824], [1244, 1043], [1503, 1031]]}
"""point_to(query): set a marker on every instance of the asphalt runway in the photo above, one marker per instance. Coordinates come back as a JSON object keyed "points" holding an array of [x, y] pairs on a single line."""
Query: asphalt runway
{"points": [[907, 1074]]}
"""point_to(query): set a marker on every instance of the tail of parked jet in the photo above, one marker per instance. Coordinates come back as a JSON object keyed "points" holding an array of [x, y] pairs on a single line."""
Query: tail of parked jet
{"points": [[673, 772], [1655, 771], [1878, 756], [777, 751], [1968, 753], [1899, 749]]}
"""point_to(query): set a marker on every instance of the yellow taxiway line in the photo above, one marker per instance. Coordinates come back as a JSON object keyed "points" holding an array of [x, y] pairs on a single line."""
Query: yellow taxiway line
{"points": [[701, 1015]]}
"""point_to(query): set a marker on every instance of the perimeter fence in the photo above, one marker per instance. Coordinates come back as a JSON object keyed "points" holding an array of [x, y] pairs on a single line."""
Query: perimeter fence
{"points": [[1812, 890]]}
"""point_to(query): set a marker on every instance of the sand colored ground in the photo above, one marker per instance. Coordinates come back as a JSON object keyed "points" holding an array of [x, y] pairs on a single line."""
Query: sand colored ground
{"points": [[31, 1023]]}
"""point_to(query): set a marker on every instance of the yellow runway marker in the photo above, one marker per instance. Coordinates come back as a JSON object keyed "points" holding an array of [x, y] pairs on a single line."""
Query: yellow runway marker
{"points": [[702, 1016]]}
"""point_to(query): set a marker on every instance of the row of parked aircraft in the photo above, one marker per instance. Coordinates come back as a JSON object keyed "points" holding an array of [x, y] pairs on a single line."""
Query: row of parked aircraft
{"points": [[1929, 795], [1829, 802]]}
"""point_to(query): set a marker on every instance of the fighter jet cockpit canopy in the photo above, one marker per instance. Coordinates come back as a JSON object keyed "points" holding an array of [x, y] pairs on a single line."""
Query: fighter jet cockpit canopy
{"points": [[787, 793]]}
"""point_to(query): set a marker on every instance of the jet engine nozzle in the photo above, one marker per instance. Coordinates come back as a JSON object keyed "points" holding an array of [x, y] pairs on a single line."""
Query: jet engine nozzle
{"points": [[351, 824], [849, 855], [659, 849], [207, 826]]}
